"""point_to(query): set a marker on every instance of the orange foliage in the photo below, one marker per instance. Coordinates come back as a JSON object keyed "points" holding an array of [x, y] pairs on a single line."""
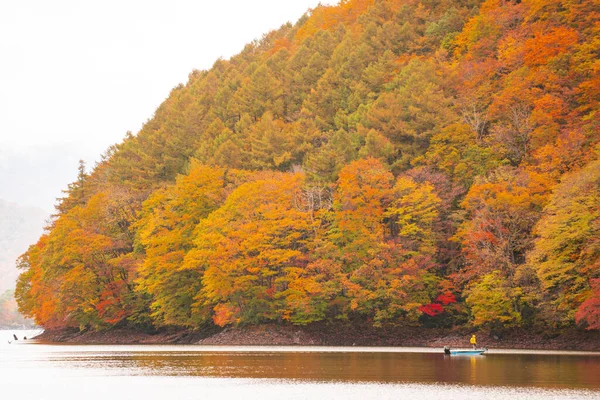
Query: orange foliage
{"points": [[495, 101], [329, 17], [546, 45]]}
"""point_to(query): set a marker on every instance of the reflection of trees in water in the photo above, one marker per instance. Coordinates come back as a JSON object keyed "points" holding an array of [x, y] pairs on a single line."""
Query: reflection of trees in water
{"points": [[494, 369]]}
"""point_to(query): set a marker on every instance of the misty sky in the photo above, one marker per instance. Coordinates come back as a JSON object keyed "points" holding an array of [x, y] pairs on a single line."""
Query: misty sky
{"points": [[76, 75]]}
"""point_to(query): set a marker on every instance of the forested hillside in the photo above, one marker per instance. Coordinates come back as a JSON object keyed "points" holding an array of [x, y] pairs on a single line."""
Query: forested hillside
{"points": [[406, 162]]}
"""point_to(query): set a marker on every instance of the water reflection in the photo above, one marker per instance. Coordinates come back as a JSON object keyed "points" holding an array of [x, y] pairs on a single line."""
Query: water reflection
{"points": [[157, 372], [540, 370]]}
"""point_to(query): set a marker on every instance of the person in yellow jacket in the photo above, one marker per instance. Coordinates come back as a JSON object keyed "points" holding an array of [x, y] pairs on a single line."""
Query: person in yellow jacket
{"points": [[474, 341]]}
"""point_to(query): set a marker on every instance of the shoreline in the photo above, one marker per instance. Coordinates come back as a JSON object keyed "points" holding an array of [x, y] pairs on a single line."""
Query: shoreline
{"points": [[285, 335]]}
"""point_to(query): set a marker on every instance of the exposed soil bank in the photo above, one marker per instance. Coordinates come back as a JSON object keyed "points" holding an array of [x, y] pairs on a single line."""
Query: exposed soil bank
{"points": [[338, 335], [121, 336]]}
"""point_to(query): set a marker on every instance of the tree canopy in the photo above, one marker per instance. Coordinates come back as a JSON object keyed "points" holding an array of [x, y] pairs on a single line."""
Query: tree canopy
{"points": [[401, 161]]}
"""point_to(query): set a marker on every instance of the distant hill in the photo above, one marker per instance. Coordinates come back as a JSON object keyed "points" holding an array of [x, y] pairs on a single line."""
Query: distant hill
{"points": [[19, 227], [9, 313]]}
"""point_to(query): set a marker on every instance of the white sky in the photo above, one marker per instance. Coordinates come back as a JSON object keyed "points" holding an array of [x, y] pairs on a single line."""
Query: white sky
{"points": [[75, 75]]}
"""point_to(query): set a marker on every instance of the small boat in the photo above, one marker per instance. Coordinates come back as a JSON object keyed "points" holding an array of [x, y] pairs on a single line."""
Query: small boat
{"points": [[465, 352]]}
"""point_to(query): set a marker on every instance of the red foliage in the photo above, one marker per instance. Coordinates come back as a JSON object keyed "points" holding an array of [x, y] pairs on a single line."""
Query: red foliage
{"points": [[432, 309], [436, 308], [589, 311], [446, 298]]}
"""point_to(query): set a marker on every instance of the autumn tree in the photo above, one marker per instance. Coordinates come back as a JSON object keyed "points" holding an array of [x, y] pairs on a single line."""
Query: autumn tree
{"points": [[165, 235], [492, 303], [248, 248], [567, 250], [77, 275], [502, 211], [389, 273]]}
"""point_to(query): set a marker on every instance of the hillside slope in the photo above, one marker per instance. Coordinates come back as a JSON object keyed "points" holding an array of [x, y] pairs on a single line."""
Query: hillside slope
{"points": [[395, 162]]}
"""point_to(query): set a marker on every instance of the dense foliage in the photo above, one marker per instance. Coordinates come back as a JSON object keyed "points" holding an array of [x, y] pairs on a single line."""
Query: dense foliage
{"points": [[429, 162]]}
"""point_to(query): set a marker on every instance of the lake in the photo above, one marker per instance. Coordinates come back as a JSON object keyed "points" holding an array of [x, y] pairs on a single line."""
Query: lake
{"points": [[30, 370]]}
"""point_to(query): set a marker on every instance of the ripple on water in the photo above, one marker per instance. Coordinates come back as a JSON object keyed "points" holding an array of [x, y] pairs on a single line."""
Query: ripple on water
{"points": [[42, 371]]}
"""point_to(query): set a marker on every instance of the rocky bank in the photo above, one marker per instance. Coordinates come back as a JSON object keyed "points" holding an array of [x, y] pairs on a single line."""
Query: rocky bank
{"points": [[337, 335]]}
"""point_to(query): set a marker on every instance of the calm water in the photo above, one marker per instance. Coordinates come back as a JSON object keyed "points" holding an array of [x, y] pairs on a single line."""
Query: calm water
{"points": [[30, 370]]}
